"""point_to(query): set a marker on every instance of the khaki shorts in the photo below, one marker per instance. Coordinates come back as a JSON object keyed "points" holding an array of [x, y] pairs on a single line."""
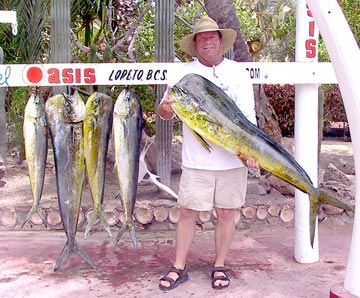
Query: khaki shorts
{"points": [[202, 190]]}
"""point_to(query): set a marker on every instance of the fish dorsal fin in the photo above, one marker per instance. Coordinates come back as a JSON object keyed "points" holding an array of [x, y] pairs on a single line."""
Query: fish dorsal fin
{"points": [[202, 141]]}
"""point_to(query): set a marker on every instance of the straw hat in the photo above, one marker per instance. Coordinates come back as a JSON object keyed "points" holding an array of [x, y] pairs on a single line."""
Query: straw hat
{"points": [[206, 24]]}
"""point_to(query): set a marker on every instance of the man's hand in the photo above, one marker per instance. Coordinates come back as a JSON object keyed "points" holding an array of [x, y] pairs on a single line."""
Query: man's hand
{"points": [[248, 161], [166, 105], [165, 109]]}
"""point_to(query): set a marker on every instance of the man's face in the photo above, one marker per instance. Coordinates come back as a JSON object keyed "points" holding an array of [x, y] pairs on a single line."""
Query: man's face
{"points": [[208, 45]]}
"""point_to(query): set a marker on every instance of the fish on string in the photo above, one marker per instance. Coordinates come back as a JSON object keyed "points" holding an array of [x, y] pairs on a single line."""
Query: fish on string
{"points": [[127, 131], [97, 130], [65, 116], [36, 146]]}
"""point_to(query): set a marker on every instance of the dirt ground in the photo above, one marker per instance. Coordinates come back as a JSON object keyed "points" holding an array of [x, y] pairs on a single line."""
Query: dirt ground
{"points": [[260, 263], [261, 259]]}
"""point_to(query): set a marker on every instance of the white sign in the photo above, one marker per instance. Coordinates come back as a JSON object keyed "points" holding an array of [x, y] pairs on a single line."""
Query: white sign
{"points": [[12, 75]]}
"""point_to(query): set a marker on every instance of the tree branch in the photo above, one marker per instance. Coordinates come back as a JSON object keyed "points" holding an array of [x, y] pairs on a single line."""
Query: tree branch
{"points": [[131, 32], [80, 46]]}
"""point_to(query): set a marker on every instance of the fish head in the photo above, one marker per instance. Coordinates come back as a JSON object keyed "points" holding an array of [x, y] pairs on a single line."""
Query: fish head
{"points": [[35, 106], [93, 106], [99, 104], [73, 108], [184, 105], [127, 104]]}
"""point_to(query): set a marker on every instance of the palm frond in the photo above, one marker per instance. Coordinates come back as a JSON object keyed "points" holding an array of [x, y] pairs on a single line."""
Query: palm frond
{"points": [[32, 16]]}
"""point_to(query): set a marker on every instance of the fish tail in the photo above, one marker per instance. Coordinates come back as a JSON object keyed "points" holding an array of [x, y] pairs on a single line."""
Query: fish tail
{"points": [[133, 236], [128, 225], [35, 209], [314, 211], [318, 198], [105, 223], [69, 248], [120, 233], [97, 214]]}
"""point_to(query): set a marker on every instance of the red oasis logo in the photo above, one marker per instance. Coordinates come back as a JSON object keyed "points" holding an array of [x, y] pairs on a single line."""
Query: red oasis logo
{"points": [[34, 75]]}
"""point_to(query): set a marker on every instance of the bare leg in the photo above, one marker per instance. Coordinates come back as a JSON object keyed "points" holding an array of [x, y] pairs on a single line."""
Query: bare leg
{"points": [[224, 233], [185, 234]]}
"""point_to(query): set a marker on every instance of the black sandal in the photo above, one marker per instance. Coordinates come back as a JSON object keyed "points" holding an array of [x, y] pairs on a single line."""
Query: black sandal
{"points": [[216, 278], [183, 277]]}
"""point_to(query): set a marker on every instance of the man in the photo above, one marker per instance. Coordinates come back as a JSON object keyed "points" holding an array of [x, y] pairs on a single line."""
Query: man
{"points": [[209, 180]]}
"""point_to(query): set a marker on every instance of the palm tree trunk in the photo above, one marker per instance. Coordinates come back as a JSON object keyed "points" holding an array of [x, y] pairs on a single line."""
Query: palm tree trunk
{"points": [[164, 52], [223, 12]]}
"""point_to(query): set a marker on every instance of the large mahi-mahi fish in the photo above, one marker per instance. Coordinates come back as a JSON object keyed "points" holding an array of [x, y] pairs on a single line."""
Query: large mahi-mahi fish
{"points": [[36, 144], [213, 116], [127, 130], [65, 116], [97, 130]]}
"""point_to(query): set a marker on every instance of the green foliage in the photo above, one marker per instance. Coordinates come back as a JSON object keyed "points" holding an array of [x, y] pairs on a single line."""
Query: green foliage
{"points": [[323, 55], [184, 18], [145, 40], [146, 95], [31, 43], [15, 119], [351, 9], [268, 27], [88, 19]]}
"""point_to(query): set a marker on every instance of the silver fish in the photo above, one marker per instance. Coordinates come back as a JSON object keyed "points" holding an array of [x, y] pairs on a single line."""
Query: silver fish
{"points": [[65, 116], [127, 130], [35, 139], [97, 129]]}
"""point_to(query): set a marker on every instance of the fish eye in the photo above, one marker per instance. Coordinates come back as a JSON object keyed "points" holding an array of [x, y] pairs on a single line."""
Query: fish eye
{"points": [[67, 104]]}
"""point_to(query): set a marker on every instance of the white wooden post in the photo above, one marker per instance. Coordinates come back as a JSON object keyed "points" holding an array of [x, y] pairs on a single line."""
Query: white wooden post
{"points": [[306, 132], [345, 56]]}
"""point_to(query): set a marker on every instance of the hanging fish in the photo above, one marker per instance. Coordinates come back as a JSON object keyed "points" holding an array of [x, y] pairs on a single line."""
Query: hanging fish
{"points": [[97, 129], [35, 139], [127, 130], [65, 116]]}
